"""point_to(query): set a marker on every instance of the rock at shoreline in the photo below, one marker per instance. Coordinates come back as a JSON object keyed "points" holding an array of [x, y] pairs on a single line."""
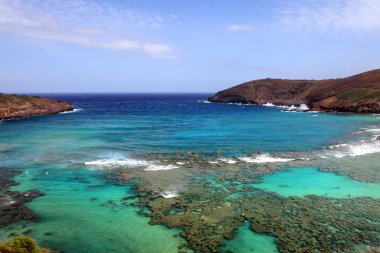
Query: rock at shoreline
{"points": [[20, 106], [357, 94], [378, 138]]}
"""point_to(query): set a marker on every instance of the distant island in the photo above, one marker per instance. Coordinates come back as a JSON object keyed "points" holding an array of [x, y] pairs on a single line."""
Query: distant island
{"points": [[356, 94], [20, 106]]}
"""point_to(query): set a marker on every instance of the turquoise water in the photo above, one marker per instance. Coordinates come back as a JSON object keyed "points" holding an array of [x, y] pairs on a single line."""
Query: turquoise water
{"points": [[301, 182], [83, 212], [247, 241]]}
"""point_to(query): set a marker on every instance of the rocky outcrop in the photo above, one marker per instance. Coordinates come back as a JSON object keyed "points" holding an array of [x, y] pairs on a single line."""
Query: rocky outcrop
{"points": [[358, 94], [20, 106]]}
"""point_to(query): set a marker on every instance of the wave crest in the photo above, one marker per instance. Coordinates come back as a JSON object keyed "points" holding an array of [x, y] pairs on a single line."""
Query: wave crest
{"points": [[264, 158], [131, 163]]}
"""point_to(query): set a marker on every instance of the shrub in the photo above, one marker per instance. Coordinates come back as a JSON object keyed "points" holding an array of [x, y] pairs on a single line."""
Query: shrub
{"points": [[21, 244]]}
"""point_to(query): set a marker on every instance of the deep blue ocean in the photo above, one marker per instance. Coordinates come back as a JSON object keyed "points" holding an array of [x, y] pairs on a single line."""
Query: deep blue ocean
{"points": [[180, 123], [53, 151]]}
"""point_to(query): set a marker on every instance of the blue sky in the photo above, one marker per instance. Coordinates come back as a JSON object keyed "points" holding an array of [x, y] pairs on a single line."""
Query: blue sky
{"points": [[181, 46]]}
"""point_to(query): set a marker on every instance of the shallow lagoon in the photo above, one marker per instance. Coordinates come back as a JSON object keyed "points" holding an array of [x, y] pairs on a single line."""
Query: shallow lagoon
{"points": [[301, 182], [247, 241], [85, 214]]}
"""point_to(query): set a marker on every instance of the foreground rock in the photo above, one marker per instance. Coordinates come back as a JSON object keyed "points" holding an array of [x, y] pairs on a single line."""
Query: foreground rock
{"points": [[20, 106], [358, 94]]}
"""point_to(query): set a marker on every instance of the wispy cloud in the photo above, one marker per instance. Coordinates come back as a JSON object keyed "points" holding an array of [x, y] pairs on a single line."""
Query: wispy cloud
{"points": [[239, 27], [84, 23], [361, 16]]}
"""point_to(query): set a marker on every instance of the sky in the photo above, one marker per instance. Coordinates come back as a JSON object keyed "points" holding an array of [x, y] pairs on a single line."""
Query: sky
{"points": [[49, 46]]}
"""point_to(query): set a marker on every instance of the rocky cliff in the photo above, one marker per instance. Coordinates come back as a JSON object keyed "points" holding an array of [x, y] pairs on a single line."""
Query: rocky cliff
{"points": [[19, 106], [359, 93]]}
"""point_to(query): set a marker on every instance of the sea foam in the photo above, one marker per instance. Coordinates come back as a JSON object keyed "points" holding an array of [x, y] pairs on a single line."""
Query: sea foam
{"points": [[352, 149], [227, 160], [131, 163], [172, 191], [264, 158], [204, 101], [75, 110], [363, 147]]}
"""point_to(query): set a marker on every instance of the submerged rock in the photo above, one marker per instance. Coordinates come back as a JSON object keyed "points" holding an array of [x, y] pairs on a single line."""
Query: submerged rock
{"points": [[219, 198], [12, 203]]}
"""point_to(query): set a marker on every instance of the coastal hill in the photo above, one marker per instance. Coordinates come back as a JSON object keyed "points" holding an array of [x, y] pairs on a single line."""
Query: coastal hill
{"points": [[358, 94], [19, 106]]}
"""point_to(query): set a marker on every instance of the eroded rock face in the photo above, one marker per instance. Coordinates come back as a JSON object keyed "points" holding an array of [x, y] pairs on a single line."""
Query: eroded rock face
{"points": [[20, 106], [358, 94]]}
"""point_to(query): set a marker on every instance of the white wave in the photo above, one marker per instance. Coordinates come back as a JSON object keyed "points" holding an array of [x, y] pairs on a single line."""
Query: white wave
{"points": [[204, 101], [352, 149], [227, 160], [304, 107], [278, 106], [374, 130], [180, 163], [132, 163], [338, 145], [75, 110], [115, 162], [156, 167], [213, 162], [264, 158], [170, 193]]}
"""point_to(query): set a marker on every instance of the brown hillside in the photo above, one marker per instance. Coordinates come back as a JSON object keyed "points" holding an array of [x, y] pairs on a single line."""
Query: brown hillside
{"points": [[19, 106], [359, 93]]}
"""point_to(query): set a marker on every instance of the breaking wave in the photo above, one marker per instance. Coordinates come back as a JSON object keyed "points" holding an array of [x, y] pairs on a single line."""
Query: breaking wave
{"points": [[204, 101], [227, 160], [75, 110], [370, 145], [131, 163], [264, 158], [352, 149]]}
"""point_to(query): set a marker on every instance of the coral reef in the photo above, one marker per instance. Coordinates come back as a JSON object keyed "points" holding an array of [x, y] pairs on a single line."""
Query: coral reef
{"points": [[12, 203]]}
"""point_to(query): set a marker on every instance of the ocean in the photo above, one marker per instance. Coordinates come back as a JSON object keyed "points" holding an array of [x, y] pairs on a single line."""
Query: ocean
{"points": [[143, 172]]}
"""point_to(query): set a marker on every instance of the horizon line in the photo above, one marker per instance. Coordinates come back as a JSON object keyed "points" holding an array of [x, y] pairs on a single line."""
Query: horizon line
{"points": [[111, 93]]}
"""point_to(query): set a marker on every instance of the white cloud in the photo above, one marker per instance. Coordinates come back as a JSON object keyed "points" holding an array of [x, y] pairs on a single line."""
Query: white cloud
{"points": [[334, 15], [239, 27], [84, 23]]}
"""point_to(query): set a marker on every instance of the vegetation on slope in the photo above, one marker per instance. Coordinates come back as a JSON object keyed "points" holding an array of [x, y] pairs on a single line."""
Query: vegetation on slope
{"points": [[21, 244]]}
